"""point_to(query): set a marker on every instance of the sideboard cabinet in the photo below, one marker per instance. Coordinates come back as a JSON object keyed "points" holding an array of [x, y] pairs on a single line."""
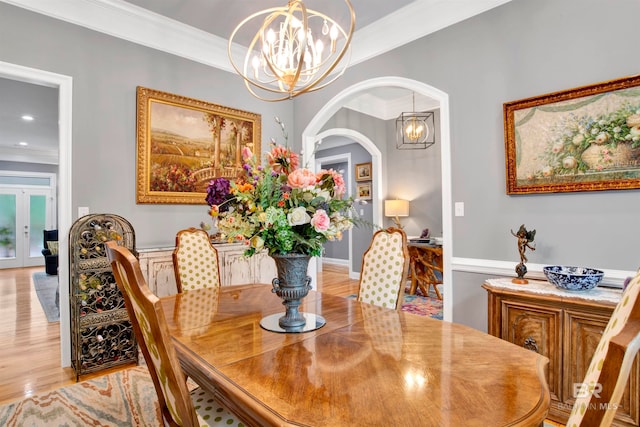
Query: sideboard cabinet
{"points": [[235, 269], [565, 327]]}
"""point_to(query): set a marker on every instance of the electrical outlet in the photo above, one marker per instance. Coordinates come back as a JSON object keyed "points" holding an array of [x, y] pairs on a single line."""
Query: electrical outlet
{"points": [[82, 211], [459, 209]]}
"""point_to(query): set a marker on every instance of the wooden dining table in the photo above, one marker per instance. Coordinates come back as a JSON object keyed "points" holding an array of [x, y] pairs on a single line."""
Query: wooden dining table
{"points": [[366, 366]]}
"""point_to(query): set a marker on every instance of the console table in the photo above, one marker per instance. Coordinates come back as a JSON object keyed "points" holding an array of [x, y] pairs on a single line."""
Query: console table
{"points": [[565, 327]]}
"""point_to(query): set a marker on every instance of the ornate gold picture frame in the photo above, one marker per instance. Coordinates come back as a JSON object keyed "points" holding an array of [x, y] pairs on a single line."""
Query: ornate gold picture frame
{"points": [[183, 143], [363, 172], [582, 139]]}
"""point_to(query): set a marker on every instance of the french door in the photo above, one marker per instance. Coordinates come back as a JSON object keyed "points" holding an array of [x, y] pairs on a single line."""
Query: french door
{"points": [[26, 209]]}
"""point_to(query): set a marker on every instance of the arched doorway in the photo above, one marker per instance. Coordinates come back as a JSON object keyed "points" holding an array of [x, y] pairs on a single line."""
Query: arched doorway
{"points": [[311, 132]]}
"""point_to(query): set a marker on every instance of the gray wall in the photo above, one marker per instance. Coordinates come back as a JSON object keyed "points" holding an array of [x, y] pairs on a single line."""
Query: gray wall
{"points": [[521, 49]]}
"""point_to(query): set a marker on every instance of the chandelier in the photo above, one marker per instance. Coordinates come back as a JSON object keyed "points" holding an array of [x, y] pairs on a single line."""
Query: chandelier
{"points": [[414, 130], [294, 51]]}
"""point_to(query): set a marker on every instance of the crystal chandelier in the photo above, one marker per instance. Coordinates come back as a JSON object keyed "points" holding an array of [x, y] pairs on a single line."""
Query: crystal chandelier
{"points": [[295, 50], [414, 129]]}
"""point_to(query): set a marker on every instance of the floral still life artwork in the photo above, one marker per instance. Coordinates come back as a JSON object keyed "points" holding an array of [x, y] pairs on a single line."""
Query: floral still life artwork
{"points": [[279, 206], [583, 139]]}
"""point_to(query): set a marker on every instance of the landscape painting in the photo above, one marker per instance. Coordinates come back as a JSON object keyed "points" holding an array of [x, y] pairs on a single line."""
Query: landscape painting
{"points": [[184, 143]]}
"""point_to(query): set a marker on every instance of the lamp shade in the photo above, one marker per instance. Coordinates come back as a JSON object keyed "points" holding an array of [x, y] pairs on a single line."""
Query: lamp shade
{"points": [[396, 208]]}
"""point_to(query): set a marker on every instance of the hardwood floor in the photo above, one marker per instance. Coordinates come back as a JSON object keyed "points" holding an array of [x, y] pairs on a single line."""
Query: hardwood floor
{"points": [[30, 346]]}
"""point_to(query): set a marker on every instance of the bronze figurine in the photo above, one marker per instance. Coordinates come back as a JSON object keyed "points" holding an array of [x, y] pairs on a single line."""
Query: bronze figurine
{"points": [[524, 239]]}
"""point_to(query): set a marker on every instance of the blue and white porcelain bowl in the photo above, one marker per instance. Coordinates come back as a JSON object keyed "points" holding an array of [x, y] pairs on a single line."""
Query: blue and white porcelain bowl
{"points": [[573, 278]]}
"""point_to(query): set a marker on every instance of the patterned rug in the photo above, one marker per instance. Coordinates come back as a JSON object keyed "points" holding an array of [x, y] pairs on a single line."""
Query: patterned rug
{"points": [[46, 287], [419, 304], [123, 398]]}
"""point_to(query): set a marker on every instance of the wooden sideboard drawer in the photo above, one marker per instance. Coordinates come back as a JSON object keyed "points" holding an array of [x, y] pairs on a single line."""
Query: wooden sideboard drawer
{"points": [[565, 327]]}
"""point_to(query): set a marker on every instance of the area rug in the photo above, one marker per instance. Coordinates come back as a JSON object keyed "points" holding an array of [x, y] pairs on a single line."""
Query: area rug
{"points": [[46, 286], [420, 305], [123, 398]]}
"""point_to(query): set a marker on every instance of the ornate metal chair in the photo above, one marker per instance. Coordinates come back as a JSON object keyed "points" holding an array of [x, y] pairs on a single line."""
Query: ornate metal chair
{"points": [[426, 269], [179, 407], [385, 266], [601, 391], [195, 260]]}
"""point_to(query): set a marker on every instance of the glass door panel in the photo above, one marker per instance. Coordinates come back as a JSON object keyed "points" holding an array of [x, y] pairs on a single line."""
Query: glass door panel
{"points": [[37, 209], [8, 211]]}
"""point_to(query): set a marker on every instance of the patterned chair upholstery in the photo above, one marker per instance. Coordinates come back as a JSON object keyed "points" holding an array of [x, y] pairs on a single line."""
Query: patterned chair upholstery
{"points": [[385, 267], [608, 373], [195, 260], [179, 406]]}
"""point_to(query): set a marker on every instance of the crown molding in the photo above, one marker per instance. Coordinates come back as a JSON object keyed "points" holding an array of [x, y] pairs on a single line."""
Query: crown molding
{"points": [[135, 24]]}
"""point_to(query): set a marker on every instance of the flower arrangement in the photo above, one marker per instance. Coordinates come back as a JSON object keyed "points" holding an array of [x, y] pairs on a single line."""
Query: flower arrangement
{"points": [[279, 206], [601, 135]]}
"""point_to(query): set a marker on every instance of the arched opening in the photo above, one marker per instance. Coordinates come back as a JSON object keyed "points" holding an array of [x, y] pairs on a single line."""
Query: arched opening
{"points": [[311, 133]]}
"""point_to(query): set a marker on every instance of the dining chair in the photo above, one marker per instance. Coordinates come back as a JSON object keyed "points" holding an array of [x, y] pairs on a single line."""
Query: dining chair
{"points": [[599, 395], [385, 266], [179, 406], [195, 260], [426, 269]]}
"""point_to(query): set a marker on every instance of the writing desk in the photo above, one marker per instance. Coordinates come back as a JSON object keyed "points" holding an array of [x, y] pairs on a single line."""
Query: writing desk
{"points": [[367, 366]]}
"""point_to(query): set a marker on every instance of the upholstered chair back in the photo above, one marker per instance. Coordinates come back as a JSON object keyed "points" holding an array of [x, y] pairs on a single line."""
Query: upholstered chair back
{"points": [[605, 381], [195, 260], [385, 267], [179, 406]]}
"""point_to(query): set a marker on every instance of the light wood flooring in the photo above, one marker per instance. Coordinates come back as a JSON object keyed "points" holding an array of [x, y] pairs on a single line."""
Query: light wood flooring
{"points": [[30, 346]]}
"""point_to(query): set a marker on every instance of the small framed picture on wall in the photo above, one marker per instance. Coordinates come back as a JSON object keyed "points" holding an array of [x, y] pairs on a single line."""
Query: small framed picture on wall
{"points": [[364, 191], [363, 171]]}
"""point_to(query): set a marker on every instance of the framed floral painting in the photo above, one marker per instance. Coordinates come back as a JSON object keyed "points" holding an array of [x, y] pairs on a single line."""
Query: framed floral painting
{"points": [[582, 139], [183, 143]]}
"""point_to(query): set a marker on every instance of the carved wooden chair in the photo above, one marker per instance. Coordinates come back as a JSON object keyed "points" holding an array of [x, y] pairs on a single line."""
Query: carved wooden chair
{"points": [[179, 406], [195, 260], [426, 269], [601, 391], [385, 266]]}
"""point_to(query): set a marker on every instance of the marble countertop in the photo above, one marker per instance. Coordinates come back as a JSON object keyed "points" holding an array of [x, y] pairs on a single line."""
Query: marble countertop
{"points": [[543, 287]]}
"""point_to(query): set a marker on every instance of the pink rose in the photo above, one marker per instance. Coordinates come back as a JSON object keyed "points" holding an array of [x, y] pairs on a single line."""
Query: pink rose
{"points": [[301, 178], [320, 220]]}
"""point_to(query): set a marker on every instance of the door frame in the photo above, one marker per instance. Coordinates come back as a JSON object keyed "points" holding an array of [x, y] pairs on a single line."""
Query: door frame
{"points": [[64, 84], [23, 256]]}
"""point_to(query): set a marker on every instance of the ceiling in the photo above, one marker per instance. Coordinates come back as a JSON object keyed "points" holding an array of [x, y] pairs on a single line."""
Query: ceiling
{"points": [[199, 29]]}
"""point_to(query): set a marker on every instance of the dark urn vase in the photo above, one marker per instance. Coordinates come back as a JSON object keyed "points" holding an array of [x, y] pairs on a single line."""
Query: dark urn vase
{"points": [[292, 284]]}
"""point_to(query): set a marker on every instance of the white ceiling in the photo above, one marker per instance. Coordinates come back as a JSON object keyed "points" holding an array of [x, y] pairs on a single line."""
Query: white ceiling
{"points": [[199, 29]]}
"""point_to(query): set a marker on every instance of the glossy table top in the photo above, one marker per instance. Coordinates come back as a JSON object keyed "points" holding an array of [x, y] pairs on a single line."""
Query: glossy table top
{"points": [[366, 366]]}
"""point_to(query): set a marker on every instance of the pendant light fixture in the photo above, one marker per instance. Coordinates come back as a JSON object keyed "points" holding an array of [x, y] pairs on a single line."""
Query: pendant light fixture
{"points": [[295, 50], [415, 130]]}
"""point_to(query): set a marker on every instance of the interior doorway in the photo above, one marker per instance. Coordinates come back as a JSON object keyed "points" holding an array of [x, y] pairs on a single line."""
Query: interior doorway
{"points": [[64, 85], [310, 136]]}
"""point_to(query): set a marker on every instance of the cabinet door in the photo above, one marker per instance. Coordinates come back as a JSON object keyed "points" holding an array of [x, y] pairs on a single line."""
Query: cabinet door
{"points": [[584, 331], [236, 269], [265, 268], [536, 328], [157, 269]]}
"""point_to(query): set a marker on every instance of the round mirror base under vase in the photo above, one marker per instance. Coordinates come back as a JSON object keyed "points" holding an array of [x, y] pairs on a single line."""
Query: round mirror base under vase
{"points": [[312, 322]]}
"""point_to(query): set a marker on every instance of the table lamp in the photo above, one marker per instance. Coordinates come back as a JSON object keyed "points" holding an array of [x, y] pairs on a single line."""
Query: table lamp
{"points": [[395, 209]]}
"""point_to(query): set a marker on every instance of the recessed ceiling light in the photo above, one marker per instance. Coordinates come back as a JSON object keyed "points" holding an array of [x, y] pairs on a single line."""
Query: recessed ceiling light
{"points": [[27, 118], [23, 144]]}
